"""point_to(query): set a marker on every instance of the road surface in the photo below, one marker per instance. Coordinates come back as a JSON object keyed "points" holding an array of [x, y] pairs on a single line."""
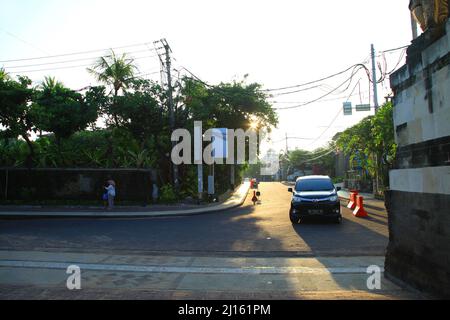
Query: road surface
{"points": [[249, 252]]}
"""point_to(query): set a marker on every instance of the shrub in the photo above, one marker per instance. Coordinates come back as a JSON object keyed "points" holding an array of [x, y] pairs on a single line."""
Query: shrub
{"points": [[168, 194]]}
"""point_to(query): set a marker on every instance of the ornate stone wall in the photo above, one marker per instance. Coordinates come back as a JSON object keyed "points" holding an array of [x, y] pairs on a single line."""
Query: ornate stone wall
{"points": [[418, 203]]}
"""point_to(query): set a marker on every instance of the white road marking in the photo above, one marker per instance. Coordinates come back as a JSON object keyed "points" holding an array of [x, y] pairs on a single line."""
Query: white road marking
{"points": [[191, 270]]}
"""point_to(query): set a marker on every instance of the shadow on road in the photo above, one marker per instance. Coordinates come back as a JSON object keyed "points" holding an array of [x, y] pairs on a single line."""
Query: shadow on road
{"points": [[263, 231]]}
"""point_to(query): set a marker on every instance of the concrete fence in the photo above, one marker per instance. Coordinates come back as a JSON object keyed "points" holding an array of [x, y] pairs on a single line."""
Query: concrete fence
{"points": [[74, 184]]}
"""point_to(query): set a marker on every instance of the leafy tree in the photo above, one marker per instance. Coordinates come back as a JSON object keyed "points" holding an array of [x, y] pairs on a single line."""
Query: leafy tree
{"points": [[15, 98], [298, 159], [62, 111], [140, 112], [117, 72], [234, 105], [384, 141], [13, 152], [325, 159], [230, 105], [303, 160], [372, 143]]}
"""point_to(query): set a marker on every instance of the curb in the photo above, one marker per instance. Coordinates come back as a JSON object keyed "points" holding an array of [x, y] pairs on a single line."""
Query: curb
{"points": [[242, 192]]}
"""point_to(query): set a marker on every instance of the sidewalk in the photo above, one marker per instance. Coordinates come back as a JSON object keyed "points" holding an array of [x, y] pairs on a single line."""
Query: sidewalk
{"points": [[42, 275], [369, 200], [236, 200]]}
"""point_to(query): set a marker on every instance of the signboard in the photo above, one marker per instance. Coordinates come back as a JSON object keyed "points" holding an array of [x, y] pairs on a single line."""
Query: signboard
{"points": [[211, 188], [220, 143], [348, 109], [363, 107]]}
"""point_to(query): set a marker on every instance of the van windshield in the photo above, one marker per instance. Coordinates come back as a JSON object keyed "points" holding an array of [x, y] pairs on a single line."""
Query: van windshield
{"points": [[314, 185]]}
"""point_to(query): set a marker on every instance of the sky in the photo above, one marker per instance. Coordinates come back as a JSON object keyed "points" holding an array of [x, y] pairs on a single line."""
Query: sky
{"points": [[278, 43]]}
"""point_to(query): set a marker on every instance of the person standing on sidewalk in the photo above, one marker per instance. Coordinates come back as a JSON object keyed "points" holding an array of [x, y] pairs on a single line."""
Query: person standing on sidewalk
{"points": [[111, 189]]}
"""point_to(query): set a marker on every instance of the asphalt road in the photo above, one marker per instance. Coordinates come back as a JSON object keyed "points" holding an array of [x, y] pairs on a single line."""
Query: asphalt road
{"points": [[254, 231]]}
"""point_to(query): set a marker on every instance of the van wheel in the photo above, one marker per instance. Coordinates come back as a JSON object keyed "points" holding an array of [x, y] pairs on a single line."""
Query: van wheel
{"points": [[294, 219], [338, 220]]}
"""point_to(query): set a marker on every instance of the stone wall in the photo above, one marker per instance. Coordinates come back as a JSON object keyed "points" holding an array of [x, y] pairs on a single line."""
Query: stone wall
{"points": [[73, 184], [418, 203]]}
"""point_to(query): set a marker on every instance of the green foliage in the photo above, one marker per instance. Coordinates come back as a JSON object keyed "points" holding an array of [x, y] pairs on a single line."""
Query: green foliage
{"points": [[229, 105], [137, 131], [168, 194], [324, 158], [13, 153], [115, 71], [372, 142], [338, 180], [15, 98], [189, 187], [140, 113], [62, 111]]}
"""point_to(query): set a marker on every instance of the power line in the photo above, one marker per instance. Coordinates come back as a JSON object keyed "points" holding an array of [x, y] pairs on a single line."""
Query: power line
{"points": [[291, 138], [139, 75], [398, 63], [327, 128], [312, 82], [23, 41], [71, 61], [326, 100], [316, 81], [320, 157], [74, 53], [67, 67], [304, 104], [296, 91], [395, 49], [323, 96]]}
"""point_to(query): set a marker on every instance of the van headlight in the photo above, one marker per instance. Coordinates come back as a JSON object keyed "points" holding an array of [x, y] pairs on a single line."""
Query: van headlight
{"points": [[334, 199], [296, 199]]}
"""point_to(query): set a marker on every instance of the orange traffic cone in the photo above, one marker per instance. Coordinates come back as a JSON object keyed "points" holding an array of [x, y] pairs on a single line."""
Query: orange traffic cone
{"points": [[352, 203], [360, 212]]}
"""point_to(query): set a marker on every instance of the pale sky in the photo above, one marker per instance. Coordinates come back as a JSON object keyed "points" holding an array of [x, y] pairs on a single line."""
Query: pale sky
{"points": [[278, 43]]}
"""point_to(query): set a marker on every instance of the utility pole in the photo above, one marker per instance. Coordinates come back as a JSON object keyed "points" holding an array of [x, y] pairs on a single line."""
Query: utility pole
{"points": [[168, 65], [374, 79], [414, 27], [375, 99], [287, 145]]}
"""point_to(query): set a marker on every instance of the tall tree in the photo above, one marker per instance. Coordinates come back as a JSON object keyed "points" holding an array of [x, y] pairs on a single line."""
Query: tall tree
{"points": [[234, 105], [62, 111], [372, 143], [117, 72], [140, 112], [15, 98]]}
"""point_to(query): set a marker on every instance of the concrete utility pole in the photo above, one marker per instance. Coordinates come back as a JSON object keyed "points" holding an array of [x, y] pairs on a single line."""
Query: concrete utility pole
{"points": [[415, 34], [168, 64], [374, 78], [375, 99], [287, 145]]}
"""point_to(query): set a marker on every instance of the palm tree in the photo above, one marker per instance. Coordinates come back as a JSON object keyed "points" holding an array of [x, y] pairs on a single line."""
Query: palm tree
{"points": [[3, 74], [50, 84], [116, 72]]}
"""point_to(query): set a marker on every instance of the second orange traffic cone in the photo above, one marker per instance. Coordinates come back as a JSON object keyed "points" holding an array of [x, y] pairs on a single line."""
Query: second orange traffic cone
{"points": [[360, 212]]}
